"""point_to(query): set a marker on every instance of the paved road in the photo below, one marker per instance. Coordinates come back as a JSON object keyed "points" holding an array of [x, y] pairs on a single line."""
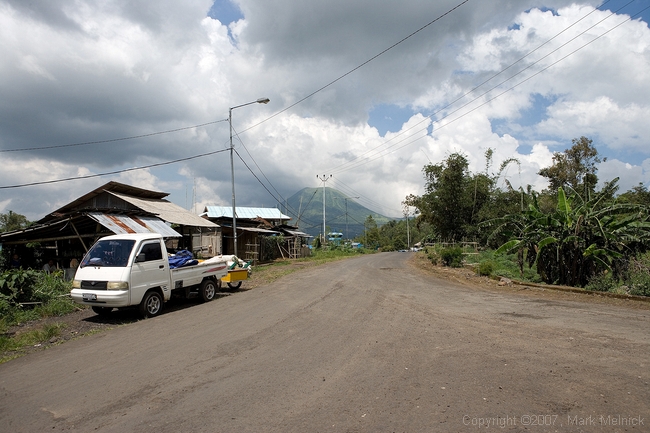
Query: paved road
{"points": [[362, 345]]}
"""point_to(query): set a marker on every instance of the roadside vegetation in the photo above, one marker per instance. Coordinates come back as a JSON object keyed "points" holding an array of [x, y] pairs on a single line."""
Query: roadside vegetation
{"points": [[571, 234], [27, 295]]}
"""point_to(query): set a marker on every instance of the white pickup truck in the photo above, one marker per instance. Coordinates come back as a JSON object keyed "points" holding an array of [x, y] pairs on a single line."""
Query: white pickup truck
{"points": [[133, 269]]}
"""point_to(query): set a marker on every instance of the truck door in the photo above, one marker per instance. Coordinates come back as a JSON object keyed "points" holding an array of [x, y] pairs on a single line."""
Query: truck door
{"points": [[153, 271]]}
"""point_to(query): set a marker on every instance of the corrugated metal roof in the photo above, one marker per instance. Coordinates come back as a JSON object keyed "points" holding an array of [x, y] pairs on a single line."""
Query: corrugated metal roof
{"points": [[121, 224], [167, 211], [269, 213], [110, 186], [298, 233], [257, 230]]}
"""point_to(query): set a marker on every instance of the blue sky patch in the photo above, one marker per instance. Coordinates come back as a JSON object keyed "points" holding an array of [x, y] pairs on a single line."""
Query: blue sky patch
{"points": [[632, 9], [225, 11], [537, 111], [389, 117]]}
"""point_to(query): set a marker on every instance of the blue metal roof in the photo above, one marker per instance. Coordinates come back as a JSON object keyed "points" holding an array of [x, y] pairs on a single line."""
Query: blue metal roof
{"points": [[268, 213]]}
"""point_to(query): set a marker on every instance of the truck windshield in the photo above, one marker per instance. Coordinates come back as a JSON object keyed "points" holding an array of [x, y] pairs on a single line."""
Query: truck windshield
{"points": [[113, 253]]}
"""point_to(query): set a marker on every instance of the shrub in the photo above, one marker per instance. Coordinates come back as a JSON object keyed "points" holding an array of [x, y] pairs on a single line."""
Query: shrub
{"points": [[452, 257], [49, 291], [602, 283], [433, 255], [486, 268], [638, 275], [17, 285]]}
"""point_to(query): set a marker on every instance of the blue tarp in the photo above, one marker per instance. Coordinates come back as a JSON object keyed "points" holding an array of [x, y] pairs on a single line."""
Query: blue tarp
{"points": [[182, 258]]}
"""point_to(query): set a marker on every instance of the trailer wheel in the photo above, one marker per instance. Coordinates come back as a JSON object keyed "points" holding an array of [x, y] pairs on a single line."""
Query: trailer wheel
{"points": [[235, 286], [208, 290], [151, 304], [102, 311]]}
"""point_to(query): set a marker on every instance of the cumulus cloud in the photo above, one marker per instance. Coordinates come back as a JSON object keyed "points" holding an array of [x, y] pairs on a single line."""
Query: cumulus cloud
{"points": [[93, 72]]}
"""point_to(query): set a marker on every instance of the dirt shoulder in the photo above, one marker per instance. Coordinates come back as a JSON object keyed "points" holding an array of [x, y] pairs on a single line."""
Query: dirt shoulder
{"points": [[469, 278], [84, 321]]}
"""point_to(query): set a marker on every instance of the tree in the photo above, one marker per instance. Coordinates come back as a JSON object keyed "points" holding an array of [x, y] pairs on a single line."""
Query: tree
{"points": [[371, 235], [12, 221], [580, 238], [446, 204], [638, 195], [575, 168]]}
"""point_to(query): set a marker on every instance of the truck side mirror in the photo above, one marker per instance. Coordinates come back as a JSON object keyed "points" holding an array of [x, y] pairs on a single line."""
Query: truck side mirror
{"points": [[140, 258]]}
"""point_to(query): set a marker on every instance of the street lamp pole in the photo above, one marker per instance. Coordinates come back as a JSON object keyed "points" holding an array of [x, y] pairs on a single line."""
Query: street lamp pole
{"points": [[232, 168]]}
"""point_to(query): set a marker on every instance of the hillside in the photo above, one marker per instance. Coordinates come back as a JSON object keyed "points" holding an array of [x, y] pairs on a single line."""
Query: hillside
{"points": [[308, 203]]}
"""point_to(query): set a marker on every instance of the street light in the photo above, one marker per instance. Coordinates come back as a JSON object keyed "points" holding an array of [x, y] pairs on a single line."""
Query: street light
{"points": [[232, 167]]}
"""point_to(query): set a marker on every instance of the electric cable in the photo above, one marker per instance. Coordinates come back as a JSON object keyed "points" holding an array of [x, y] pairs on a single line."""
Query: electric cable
{"points": [[112, 140], [379, 153], [89, 176]]}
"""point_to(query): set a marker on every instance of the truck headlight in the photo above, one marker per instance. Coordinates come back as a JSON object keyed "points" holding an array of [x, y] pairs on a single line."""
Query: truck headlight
{"points": [[76, 284], [117, 285]]}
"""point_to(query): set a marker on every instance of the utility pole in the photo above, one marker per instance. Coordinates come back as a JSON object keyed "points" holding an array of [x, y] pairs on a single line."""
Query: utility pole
{"points": [[324, 178]]}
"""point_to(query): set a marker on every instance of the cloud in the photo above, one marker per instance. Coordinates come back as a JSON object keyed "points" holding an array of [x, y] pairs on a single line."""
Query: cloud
{"points": [[94, 72]]}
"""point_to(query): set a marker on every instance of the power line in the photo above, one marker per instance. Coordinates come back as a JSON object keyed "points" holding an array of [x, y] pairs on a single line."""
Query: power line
{"points": [[359, 66], [354, 163], [112, 140], [209, 123], [47, 182]]}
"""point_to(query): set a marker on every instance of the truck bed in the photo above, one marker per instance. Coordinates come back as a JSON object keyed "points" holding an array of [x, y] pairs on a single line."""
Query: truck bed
{"points": [[192, 275]]}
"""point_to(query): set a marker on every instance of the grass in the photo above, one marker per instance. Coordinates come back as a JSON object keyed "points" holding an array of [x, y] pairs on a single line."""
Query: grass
{"points": [[265, 274], [486, 262], [17, 342]]}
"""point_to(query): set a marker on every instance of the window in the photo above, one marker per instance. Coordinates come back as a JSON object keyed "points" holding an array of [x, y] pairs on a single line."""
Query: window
{"points": [[152, 251]]}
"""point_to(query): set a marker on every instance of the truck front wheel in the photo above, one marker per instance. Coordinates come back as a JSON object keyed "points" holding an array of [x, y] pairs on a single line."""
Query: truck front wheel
{"points": [[151, 304], [208, 290]]}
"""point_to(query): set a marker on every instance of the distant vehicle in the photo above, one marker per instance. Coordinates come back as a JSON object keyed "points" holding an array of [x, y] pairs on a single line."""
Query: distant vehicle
{"points": [[335, 238], [134, 269]]}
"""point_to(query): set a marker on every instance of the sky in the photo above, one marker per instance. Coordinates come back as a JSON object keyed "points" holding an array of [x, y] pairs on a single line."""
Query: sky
{"points": [[363, 95]]}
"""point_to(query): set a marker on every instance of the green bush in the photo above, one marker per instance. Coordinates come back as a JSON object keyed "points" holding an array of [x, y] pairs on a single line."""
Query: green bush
{"points": [[452, 257], [433, 255], [486, 268], [46, 294], [602, 283], [638, 276], [18, 285]]}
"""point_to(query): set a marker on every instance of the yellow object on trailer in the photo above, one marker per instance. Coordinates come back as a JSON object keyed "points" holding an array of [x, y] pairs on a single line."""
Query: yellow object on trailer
{"points": [[235, 275]]}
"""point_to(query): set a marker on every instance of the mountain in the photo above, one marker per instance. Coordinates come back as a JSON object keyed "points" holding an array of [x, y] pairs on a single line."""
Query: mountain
{"points": [[306, 210]]}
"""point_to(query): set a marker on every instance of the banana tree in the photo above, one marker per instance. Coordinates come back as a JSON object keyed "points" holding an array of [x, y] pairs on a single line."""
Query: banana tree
{"points": [[580, 238]]}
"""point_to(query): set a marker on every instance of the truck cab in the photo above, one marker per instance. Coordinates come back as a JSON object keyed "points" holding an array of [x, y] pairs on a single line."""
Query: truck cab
{"points": [[119, 270]]}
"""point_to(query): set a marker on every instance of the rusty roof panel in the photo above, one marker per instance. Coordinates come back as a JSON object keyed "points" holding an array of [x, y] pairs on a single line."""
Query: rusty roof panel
{"points": [[122, 224]]}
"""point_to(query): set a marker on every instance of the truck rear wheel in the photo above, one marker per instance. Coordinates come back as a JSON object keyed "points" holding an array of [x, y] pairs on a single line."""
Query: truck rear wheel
{"points": [[151, 304], [208, 290]]}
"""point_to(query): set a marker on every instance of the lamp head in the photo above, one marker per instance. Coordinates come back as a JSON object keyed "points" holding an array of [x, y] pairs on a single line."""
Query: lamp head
{"points": [[263, 100]]}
